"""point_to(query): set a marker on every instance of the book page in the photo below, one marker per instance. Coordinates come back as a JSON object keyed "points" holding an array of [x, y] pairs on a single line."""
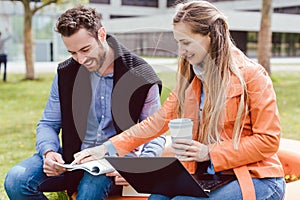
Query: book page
{"points": [[95, 167], [128, 191]]}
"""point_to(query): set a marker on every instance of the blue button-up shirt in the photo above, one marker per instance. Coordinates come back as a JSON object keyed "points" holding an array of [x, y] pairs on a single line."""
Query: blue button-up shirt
{"points": [[100, 124]]}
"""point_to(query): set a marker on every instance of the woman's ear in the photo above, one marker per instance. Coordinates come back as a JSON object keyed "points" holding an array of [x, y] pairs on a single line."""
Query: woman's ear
{"points": [[102, 34]]}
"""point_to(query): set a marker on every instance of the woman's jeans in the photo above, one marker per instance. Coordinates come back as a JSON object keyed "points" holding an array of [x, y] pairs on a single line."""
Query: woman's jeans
{"points": [[265, 189], [27, 180]]}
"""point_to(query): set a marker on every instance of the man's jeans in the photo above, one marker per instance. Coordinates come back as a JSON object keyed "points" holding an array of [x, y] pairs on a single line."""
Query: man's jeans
{"points": [[265, 189], [27, 180]]}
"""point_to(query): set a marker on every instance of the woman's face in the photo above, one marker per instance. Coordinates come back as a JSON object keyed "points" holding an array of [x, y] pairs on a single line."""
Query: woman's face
{"points": [[192, 46]]}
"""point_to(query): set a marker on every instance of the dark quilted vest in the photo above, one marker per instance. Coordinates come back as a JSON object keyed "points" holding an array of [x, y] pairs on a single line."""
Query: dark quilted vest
{"points": [[133, 78]]}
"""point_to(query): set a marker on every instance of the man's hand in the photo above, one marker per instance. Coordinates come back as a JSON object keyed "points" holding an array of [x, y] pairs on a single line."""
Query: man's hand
{"points": [[94, 153], [193, 150], [119, 180], [51, 169]]}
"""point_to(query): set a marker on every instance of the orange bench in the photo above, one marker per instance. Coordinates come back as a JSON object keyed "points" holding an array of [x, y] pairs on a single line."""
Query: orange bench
{"points": [[126, 198], [289, 155]]}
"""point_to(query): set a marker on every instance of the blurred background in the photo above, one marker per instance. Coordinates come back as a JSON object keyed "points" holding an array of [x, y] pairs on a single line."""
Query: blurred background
{"points": [[145, 26]]}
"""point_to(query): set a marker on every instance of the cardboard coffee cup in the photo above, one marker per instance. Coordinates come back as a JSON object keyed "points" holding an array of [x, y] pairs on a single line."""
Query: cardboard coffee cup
{"points": [[181, 128]]}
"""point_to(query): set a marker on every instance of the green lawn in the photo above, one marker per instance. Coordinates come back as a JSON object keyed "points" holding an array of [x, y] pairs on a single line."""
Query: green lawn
{"points": [[22, 103], [287, 88]]}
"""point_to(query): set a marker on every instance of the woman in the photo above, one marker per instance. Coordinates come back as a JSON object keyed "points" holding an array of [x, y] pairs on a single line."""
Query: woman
{"points": [[230, 100]]}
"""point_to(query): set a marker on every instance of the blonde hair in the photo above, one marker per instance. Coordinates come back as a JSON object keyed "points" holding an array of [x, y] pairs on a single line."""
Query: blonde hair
{"points": [[205, 19]]}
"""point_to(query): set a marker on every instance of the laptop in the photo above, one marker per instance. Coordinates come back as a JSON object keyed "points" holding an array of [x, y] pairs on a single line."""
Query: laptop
{"points": [[166, 176]]}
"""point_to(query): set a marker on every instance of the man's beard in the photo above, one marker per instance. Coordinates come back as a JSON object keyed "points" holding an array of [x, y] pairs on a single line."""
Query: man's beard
{"points": [[99, 62], [102, 59]]}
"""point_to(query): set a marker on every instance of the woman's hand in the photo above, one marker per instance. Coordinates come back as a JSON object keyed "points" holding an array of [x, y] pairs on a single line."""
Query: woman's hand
{"points": [[94, 153], [51, 169], [119, 180], [191, 150]]}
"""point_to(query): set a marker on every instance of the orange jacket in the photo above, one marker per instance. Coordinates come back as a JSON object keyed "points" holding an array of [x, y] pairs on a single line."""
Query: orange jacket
{"points": [[261, 133]]}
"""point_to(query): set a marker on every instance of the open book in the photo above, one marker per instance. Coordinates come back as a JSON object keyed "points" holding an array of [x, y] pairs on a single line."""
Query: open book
{"points": [[95, 167]]}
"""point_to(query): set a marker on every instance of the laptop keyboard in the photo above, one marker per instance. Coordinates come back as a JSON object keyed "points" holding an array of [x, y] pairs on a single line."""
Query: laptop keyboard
{"points": [[207, 185]]}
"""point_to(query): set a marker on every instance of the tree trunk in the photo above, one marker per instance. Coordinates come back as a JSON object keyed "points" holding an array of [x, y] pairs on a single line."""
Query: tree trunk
{"points": [[28, 16], [28, 42], [265, 36]]}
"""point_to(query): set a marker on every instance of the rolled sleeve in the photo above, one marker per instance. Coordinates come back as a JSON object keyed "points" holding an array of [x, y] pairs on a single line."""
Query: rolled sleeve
{"points": [[152, 104], [49, 126]]}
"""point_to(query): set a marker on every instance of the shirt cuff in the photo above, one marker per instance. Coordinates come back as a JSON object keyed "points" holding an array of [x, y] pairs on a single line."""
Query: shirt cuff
{"points": [[47, 151], [47, 148], [111, 150]]}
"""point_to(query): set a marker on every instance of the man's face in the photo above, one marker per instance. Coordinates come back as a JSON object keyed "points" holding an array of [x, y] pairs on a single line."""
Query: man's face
{"points": [[86, 50]]}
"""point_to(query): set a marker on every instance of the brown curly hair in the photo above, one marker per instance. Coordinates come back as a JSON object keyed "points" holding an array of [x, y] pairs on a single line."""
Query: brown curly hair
{"points": [[79, 17]]}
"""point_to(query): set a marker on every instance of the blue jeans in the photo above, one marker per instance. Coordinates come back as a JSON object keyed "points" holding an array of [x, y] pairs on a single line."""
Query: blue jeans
{"points": [[27, 180], [265, 189]]}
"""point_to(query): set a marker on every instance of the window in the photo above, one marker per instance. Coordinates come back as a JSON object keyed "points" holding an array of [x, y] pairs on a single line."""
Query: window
{"points": [[145, 3], [288, 10], [121, 16], [100, 1], [172, 3]]}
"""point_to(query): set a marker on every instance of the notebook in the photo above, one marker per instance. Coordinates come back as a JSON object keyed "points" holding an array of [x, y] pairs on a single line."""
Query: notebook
{"points": [[166, 176]]}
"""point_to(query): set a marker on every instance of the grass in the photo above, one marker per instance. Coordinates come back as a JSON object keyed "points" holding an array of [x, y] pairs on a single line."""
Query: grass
{"points": [[287, 87], [22, 103]]}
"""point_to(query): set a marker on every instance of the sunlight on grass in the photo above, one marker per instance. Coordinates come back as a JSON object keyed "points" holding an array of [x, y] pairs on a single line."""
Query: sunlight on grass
{"points": [[287, 87], [21, 106], [168, 82], [22, 103]]}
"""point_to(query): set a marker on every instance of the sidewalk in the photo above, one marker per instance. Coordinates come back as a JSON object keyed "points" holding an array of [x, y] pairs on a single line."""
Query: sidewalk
{"points": [[159, 65], [293, 145], [40, 67]]}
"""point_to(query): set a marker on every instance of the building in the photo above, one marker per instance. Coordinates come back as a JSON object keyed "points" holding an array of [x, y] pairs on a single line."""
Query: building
{"points": [[151, 35], [145, 26]]}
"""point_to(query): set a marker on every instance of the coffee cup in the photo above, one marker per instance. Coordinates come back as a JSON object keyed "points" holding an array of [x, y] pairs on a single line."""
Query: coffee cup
{"points": [[181, 128]]}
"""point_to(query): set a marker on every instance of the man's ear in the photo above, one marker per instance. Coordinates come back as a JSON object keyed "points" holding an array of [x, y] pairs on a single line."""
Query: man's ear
{"points": [[102, 34]]}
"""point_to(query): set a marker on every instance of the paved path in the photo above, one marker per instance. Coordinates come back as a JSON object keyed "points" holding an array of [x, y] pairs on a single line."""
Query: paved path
{"points": [[159, 64]]}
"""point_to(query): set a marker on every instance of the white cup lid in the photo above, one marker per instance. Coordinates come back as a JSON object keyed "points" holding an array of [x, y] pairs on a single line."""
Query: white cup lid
{"points": [[180, 122]]}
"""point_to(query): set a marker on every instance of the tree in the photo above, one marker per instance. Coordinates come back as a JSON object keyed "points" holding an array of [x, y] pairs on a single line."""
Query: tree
{"points": [[265, 36], [30, 8]]}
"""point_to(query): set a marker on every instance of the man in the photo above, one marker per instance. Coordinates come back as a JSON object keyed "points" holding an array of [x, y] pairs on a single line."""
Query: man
{"points": [[3, 56], [102, 90]]}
